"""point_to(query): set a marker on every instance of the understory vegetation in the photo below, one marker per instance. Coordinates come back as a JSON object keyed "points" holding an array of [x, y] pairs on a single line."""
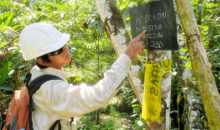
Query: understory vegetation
{"points": [[92, 54]]}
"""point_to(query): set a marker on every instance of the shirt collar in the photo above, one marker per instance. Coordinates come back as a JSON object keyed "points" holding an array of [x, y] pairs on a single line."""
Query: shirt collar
{"points": [[38, 72]]}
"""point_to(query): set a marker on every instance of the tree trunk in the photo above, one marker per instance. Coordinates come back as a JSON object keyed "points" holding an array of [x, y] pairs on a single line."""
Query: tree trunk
{"points": [[188, 87], [155, 56], [115, 28], [165, 87], [202, 72]]}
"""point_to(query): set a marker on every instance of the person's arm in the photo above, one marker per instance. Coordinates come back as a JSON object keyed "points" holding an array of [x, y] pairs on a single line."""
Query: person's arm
{"points": [[68, 100]]}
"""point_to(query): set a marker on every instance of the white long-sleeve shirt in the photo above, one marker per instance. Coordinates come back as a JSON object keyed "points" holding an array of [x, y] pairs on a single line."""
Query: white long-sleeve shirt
{"points": [[59, 100]]}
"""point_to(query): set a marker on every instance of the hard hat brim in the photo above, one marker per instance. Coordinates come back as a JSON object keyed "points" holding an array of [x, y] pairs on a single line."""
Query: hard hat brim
{"points": [[65, 38]]}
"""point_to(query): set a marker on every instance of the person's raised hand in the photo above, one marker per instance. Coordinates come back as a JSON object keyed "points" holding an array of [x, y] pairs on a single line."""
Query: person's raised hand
{"points": [[135, 46]]}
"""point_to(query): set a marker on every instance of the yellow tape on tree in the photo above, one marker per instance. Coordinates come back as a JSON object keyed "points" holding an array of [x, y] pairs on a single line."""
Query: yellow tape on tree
{"points": [[152, 96]]}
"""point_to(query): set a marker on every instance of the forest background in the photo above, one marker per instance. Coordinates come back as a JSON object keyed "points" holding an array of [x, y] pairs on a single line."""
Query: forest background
{"points": [[92, 54]]}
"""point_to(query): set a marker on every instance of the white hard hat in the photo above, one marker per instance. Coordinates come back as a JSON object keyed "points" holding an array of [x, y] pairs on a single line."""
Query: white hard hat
{"points": [[40, 38]]}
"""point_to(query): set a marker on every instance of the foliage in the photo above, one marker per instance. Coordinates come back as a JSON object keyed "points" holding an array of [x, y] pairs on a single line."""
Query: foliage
{"points": [[214, 58], [112, 120], [107, 124], [207, 15], [92, 54]]}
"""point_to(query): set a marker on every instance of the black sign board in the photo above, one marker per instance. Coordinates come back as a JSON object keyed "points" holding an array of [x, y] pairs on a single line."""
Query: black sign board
{"points": [[159, 20]]}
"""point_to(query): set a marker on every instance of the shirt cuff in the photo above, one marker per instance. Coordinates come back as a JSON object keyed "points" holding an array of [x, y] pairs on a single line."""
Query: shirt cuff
{"points": [[125, 59]]}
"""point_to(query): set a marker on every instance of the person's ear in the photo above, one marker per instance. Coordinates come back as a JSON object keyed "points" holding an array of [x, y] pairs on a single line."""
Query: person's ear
{"points": [[42, 62]]}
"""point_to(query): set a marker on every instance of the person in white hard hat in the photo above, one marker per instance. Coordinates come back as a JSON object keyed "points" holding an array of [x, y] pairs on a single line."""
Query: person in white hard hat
{"points": [[57, 99]]}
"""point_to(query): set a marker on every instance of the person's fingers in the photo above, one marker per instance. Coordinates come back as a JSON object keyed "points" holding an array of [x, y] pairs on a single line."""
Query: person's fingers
{"points": [[139, 36], [138, 47], [142, 44], [137, 43]]}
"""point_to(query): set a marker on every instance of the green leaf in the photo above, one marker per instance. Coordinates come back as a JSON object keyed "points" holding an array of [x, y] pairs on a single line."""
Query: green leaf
{"points": [[188, 65], [183, 57], [135, 105], [3, 87], [100, 28], [210, 5], [216, 36], [9, 19], [4, 72], [204, 28]]}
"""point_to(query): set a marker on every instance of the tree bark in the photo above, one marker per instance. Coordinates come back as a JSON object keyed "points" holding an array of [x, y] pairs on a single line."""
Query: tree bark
{"points": [[155, 56], [188, 87], [202, 72], [115, 28]]}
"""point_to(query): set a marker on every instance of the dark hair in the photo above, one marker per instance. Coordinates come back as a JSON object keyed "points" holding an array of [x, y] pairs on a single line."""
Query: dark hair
{"points": [[46, 59]]}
